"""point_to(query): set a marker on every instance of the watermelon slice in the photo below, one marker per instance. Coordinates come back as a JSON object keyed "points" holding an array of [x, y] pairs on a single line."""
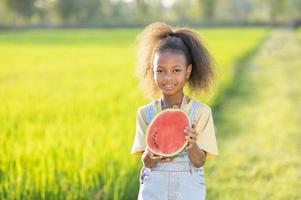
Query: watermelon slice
{"points": [[165, 134]]}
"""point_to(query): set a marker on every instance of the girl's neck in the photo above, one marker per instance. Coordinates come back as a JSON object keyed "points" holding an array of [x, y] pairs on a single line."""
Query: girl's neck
{"points": [[170, 101]]}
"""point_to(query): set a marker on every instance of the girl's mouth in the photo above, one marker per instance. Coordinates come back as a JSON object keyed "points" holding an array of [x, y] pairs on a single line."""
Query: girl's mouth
{"points": [[169, 86]]}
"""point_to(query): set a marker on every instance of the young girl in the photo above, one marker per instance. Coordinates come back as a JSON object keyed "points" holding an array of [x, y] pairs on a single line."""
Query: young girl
{"points": [[168, 58]]}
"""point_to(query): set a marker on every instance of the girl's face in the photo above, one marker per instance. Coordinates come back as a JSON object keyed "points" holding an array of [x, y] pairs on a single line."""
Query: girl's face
{"points": [[170, 71]]}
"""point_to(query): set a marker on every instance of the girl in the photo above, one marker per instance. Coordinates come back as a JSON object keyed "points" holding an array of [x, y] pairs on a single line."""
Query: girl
{"points": [[168, 58]]}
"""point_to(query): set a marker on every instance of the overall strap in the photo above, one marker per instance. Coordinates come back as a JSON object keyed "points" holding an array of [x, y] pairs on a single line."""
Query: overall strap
{"points": [[193, 111], [149, 113]]}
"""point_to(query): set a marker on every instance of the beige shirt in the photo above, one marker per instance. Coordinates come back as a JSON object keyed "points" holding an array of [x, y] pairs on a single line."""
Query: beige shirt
{"points": [[204, 126]]}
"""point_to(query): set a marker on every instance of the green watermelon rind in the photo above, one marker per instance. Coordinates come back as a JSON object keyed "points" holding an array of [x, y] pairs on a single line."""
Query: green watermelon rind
{"points": [[175, 154]]}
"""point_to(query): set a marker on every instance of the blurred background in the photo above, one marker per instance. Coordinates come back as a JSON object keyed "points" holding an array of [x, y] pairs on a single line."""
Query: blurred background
{"points": [[69, 96], [116, 13]]}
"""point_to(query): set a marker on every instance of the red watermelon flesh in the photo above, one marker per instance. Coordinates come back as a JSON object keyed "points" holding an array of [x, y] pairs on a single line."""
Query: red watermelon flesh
{"points": [[165, 134]]}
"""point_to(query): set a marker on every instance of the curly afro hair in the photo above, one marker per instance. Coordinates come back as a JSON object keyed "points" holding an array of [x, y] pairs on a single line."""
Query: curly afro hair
{"points": [[156, 38]]}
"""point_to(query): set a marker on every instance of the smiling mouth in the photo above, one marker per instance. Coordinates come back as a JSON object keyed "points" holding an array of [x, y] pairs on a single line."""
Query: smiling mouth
{"points": [[169, 86]]}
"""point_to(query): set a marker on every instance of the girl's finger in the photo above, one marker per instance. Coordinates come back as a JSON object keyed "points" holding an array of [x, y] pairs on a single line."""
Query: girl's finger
{"points": [[155, 157], [188, 129], [190, 140], [192, 136], [189, 146], [166, 160]]}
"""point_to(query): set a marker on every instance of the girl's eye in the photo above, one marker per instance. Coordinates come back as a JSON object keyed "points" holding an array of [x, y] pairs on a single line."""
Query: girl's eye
{"points": [[159, 71], [177, 70]]}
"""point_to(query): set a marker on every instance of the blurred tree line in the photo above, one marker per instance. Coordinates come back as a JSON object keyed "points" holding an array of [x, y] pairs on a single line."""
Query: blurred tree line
{"points": [[137, 12]]}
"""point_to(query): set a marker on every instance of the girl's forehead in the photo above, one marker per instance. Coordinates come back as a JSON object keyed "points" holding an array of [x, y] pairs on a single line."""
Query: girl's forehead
{"points": [[169, 57]]}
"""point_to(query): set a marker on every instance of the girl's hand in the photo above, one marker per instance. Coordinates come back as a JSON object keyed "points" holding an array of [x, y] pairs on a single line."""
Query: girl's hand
{"points": [[155, 157], [150, 160], [160, 158], [196, 155], [191, 136]]}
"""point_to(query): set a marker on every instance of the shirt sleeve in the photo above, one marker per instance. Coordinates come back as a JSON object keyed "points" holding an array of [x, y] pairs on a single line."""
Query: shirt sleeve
{"points": [[139, 141], [205, 127]]}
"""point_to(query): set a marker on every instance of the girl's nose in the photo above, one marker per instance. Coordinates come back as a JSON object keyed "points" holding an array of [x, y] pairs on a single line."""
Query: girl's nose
{"points": [[168, 76]]}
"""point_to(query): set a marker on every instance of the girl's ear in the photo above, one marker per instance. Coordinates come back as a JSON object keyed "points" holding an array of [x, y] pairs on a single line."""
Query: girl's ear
{"points": [[189, 69], [152, 69]]}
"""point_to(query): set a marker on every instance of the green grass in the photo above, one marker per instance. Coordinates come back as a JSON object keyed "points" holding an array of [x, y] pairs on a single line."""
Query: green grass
{"points": [[68, 104], [258, 127]]}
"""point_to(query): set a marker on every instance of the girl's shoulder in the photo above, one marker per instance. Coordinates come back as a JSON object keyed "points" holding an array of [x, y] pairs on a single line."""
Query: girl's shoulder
{"points": [[198, 111], [200, 106], [143, 108], [151, 108]]}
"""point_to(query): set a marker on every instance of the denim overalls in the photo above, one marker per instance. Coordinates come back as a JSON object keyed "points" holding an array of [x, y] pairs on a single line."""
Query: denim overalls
{"points": [[175, 180]]}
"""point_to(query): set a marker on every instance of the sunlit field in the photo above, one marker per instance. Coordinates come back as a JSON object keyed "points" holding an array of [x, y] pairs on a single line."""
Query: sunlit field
{"points": [[68, 102], [259, 126]]}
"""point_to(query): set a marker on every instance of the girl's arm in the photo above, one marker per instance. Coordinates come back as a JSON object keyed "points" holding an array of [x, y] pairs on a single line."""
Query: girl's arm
{"points": [[196, 155]]}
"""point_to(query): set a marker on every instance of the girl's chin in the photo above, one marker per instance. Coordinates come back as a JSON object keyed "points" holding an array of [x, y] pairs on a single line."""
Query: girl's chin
{"points": [[168, 92]]}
